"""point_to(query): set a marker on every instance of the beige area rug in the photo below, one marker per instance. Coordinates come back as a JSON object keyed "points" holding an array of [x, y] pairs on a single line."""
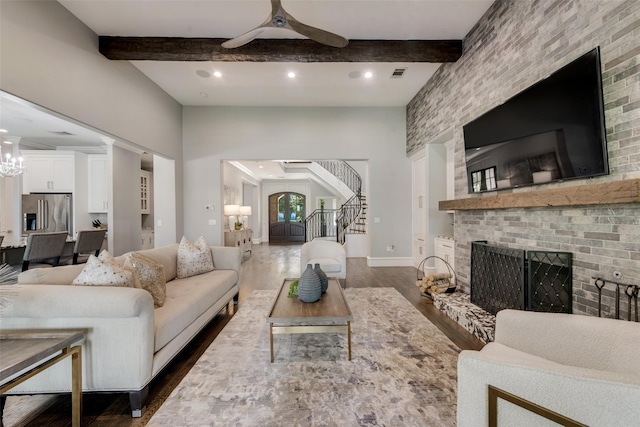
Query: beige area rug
{"points": [[402, 372]]}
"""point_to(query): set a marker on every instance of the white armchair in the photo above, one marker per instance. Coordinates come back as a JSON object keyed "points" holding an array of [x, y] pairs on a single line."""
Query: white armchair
{"points": [[586, 369], [330, 255]]}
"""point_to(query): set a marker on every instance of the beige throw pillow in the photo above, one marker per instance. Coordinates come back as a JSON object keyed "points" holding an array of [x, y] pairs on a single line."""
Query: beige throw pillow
{"points": [[105, 256], [194, 258], [103, 273], [148, 275]]}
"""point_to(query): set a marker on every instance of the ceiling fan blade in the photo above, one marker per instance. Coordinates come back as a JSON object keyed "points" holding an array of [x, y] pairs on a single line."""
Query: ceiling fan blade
{"points": [[243, 39], [316, 34], [275, 6], [279, 18]]}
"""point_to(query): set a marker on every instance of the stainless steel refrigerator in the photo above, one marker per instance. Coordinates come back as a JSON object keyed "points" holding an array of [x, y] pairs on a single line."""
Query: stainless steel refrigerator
{"points": [[46, 212]]}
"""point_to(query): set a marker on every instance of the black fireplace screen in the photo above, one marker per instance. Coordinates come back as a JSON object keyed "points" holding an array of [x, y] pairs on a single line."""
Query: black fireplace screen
{"points": [[549, 281], [497, 277], [504, 278]]}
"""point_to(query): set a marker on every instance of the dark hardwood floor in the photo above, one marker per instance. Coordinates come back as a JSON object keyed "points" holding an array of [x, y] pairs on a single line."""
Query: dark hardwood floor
{"points": [[265, 268]]}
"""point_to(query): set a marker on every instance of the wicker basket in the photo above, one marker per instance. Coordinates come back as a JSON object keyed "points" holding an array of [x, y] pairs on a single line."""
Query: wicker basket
{"points": [[435, 283]]}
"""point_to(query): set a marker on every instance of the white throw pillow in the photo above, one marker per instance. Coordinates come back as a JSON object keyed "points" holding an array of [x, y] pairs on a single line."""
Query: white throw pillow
{"points": [[194, 258], [103, 273], [148, 275]]}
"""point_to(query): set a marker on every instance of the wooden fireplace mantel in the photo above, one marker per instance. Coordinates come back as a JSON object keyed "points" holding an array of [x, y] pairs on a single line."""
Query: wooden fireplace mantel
{"points": [[605, 193]]}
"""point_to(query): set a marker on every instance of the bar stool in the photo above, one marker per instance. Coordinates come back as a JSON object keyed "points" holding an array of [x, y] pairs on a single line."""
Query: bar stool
{"points": [[88, 242], [44, 248]]}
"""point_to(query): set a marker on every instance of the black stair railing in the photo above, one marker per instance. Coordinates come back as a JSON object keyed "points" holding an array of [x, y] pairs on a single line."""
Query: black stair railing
{"points": [[345, 173], [336, 223], [348, 214], [321, 223]]}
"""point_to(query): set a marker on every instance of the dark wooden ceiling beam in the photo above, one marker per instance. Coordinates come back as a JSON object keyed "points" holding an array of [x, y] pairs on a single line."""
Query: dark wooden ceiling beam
{"points": [[278, 50]]}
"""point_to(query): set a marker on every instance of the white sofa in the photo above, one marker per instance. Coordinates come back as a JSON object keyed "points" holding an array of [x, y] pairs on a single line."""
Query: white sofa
{"points": [[585, 368], [127, 341]]}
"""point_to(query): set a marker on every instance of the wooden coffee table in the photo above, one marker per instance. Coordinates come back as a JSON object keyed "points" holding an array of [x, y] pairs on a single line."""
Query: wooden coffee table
{"points": [[292, 316], [33, 348]]}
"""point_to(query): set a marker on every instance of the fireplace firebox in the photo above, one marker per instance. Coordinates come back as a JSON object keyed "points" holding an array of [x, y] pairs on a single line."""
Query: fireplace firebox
{"points": [[504, 278]]}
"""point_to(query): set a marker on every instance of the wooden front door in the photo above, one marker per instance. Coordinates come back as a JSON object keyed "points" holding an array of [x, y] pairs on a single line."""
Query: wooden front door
{"points": [[286, 217]]}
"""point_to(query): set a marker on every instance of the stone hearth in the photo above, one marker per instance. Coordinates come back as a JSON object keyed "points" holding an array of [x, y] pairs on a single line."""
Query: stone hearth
{"points": [[458, 306]]}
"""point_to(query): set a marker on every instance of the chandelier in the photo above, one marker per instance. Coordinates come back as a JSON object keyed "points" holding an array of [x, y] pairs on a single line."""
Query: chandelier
{"points": [[10, 166]]}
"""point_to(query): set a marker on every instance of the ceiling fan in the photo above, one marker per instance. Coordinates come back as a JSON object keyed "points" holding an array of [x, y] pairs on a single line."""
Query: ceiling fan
{"points": [[281, 19]]}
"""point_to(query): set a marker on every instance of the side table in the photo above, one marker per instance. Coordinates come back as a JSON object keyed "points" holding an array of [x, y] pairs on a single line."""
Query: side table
{"points": [[31, 349]]}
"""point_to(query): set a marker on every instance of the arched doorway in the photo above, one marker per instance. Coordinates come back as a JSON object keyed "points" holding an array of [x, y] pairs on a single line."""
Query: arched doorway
{"points": [[286, 217]]}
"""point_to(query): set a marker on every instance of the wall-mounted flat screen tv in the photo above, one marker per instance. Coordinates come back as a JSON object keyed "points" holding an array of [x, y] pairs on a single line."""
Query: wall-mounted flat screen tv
{"points": [[552, 131]]}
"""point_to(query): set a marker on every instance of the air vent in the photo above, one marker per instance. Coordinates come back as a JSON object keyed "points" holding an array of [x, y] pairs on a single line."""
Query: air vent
{"points": [[398, 72], [61, 133]]}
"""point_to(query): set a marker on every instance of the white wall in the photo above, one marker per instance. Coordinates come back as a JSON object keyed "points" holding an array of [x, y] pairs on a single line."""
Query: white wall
{"points": [[50, 58], [124, 204], [81, 216], [377, 135], [164, 201]]}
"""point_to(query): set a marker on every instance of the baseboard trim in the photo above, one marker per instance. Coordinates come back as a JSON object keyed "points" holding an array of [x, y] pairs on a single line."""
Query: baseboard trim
{"points": [[390, 262]]}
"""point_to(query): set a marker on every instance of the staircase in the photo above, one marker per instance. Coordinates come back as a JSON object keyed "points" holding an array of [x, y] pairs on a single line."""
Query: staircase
{"points": [[350, 218]]}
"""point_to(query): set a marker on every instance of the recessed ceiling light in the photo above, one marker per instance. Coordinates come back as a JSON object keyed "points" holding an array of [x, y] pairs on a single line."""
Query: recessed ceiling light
{"points": [[291, 74], [217, 74], [368, 75], [355, 75], [3, 131], [204, 95], [203, 73], [260, 166]]}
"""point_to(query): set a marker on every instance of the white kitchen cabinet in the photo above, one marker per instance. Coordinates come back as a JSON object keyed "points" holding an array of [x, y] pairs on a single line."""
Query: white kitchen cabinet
{"points": [[145, 192], [98, 183], [419, 208], [147, 239], [48, 172], [445, 249]]}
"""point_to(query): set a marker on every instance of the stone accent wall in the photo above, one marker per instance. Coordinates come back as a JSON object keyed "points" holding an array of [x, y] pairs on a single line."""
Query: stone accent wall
{"points": [[516, 44]]}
